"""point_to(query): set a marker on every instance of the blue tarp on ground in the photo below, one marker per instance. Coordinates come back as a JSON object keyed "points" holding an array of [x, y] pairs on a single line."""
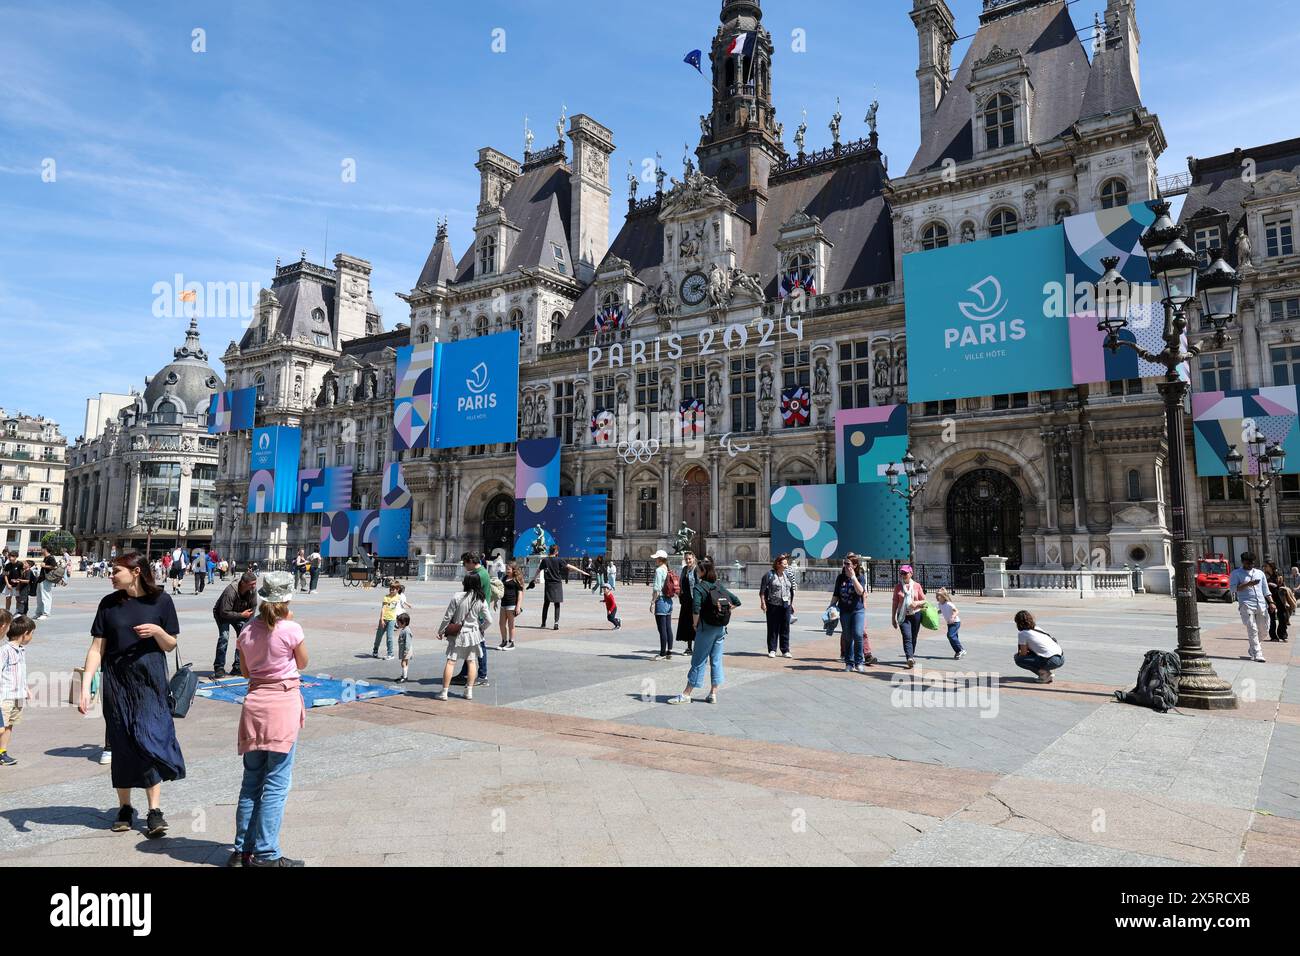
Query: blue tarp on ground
{"points": [[318, 690]]}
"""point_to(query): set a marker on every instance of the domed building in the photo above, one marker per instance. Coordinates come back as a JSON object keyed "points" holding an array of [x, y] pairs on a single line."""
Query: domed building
{"points": [[147, 479]]}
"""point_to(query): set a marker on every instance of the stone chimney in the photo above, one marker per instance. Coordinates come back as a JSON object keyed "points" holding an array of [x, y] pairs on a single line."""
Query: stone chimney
{"points": [[936, 33], [589, 195]]}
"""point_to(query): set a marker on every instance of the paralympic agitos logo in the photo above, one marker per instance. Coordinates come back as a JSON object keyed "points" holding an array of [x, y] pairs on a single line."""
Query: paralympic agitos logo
{"points": [[985, 324]]}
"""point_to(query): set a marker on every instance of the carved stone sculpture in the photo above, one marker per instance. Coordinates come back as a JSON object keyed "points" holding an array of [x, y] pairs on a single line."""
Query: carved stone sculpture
{"points": [[882, 370], [719, 287], [821, 379], [1243, 249], [765, 385]]}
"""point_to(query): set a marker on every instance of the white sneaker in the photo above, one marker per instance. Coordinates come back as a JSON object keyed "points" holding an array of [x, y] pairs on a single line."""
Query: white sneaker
{"points": [[1259, 659], [469, 693], [106, 757], [771, 653], [787, 654], [713, 698], [443, 695], [959, 655], [679, 699]]}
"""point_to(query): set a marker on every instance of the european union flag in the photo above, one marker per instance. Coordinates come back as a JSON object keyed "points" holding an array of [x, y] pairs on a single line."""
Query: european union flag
{"points": [[694, 58]]}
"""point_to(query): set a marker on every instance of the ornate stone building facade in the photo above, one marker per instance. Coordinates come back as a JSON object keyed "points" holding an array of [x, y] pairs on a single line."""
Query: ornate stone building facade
{"points": [[33, 463], [153, 465], [760, 272], [1247, 202]]}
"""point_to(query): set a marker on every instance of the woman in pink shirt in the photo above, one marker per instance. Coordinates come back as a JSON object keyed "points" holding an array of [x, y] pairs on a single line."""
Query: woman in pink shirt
{"points": [[909, 602], [271, 649]]}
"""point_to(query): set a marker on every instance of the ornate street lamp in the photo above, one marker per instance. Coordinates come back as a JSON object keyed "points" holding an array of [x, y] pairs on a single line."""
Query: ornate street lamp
{"points": [[1270, 463], [918, 475], [1173, 266]]}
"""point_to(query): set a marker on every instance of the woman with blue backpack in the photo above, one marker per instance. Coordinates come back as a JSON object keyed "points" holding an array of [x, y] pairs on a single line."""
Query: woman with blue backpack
{"points": [[713, 604], [849, 594]]}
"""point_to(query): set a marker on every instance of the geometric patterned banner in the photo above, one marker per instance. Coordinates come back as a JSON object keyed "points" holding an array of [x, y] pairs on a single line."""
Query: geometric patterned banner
{"points": [[396, 493], [232, 411], [830, 521], [867, 441], [537, 471], [325, 489], [1222, 420]]}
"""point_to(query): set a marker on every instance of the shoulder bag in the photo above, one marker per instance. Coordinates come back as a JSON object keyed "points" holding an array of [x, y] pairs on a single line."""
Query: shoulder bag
{"points": [[181, 688]]}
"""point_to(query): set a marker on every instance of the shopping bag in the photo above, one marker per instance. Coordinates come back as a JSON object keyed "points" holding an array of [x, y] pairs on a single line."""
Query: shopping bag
{"points": [[930, 617]]}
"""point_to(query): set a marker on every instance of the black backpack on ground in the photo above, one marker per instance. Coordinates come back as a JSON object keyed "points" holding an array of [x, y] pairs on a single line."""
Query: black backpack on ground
{"points": [[1157, 684], [715, 609]]}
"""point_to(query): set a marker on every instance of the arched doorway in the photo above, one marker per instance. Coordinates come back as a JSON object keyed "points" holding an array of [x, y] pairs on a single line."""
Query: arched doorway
{"points": [[984, 517], [695, 507], [499, 525]]}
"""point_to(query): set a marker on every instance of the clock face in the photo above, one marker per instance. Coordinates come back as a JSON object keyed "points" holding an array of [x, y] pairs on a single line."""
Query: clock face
{"points": [[694, 288]]}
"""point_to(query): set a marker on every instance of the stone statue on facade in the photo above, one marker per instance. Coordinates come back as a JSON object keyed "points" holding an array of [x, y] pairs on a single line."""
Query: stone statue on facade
{"points": [[968, 232], [747, 283], [580, 407], [631, 181], [882, 370], [801, 134], [719, 287], [688, 167], [715, 391], [765, 385], [660, 174], [528, 138], [822, 379], [559, 126], [871, 115], [900, 366], [620, 400], [1243, 249], [685, 535], [836, 118], [706, 126], [541, 415], [665, 393]]}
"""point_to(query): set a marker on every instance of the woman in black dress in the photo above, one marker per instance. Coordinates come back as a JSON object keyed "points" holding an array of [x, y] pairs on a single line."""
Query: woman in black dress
{"points": [[689, 578], [133, 630]]}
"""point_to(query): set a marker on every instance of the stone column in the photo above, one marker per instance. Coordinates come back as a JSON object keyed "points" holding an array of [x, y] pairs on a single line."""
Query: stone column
{"points": [[133, 496], [441, 492], [620, 497], [183, 512], [765, 493], [105, 494], [666, 514], [715, 519], [823, 456], [1049, 462], [1076, 469]]}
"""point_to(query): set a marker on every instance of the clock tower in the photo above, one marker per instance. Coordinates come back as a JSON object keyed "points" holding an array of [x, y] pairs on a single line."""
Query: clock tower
{"points": [[740, 141]]}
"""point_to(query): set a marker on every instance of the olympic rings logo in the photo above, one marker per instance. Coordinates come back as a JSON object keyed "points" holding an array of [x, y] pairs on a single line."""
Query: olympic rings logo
{"points": [[640, 450]]}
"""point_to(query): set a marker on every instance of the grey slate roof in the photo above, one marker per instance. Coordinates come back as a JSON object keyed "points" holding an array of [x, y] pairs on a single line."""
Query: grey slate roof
{"points": [[1110, 85], [301, 289], [440, 266], [845, 194], [1058, 69], [538, 204], [1217, 183]]}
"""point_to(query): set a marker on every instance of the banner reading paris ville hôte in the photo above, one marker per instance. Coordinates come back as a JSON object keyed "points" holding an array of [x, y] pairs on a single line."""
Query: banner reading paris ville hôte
{"points": [[1017, 313]]}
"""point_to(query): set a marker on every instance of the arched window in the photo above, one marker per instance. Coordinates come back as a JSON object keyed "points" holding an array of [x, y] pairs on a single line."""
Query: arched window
{"points": [[260, 383], [166, 413], [516, 320], [934, 236], [487, 256], [1000, 121], [422, 334], [1003, 222], [557, 319], [480, 326], [1061, 213], [610, 299], [1134, 485], [1114, 193]]}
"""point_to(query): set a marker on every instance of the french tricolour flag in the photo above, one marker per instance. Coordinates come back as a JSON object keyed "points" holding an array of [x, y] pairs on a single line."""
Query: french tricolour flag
{"points": [[742, 44]]}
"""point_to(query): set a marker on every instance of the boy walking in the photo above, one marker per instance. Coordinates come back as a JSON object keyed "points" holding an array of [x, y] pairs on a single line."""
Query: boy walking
{"points": [[14, 692], [405, 644]]}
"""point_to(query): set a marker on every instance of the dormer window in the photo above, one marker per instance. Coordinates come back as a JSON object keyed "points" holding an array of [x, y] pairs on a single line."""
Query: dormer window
{"points": [[1003, 222], [1114, 194], [1206, 238], [934, 236], [318, 316], [557, 251], [422, 335], [487, 256], [1000, 122], [557, 319]]}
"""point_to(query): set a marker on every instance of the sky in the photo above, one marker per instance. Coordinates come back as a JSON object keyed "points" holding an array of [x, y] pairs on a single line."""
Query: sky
{"points": [[128, 157]]}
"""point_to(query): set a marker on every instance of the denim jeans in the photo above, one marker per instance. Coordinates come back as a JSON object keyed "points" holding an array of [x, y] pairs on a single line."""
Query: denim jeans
{"points": [[223, 637], [953, 639], [44, 598], [385, 628], [1032, 662], [267, 778], [708, 649], [853, 623], [910, 627], [778, 628]]}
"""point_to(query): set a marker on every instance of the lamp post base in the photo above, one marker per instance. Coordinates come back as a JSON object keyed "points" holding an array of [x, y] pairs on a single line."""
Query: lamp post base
{"points": [[1200, 688]]}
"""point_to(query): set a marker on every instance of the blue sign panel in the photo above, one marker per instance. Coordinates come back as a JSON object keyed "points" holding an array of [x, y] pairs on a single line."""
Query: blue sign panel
{"points": [[476, 391], [977, 318], [273, 484]]}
